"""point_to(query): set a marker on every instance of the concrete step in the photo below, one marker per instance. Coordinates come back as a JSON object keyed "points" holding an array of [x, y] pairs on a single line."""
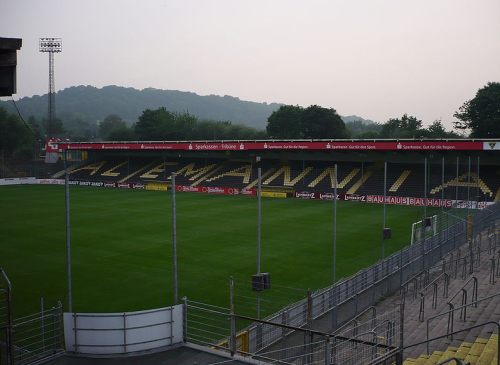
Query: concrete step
{"points": [[489, 351], [475, 351], [463, 350], [433, 359], [448, 354]]}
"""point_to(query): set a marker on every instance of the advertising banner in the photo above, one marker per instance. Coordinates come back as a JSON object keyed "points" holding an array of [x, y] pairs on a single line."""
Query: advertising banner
{"points": [[329, 196], [284, 145], [273, 194], [206, 189], [248, 192]]}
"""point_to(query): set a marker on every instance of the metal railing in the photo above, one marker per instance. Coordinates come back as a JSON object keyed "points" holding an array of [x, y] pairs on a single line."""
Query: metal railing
{"points": [[38, 335], [370, 341], [434, 285], [429, 340], [6, 321]]}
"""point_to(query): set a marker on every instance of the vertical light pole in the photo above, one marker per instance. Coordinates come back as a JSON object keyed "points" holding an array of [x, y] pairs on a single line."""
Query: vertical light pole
{"points": [[51, 46]]}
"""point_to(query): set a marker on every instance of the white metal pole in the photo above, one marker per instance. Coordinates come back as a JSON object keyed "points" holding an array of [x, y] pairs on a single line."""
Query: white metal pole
{"points": [[68, 235], [385, 189], [335, 224], [174, 238], [259, 220]]}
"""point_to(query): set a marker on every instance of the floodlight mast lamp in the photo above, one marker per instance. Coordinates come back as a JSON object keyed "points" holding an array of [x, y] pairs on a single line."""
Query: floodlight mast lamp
{"points": [[51, 46]]}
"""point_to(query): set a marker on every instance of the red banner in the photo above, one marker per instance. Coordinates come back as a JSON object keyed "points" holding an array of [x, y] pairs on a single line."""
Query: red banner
{"points": [[52, 146], [248, 192], [206, 189], [271, 145]]}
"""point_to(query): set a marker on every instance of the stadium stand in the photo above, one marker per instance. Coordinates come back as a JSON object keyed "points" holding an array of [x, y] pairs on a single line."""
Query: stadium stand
{"points": [[403, 179]]}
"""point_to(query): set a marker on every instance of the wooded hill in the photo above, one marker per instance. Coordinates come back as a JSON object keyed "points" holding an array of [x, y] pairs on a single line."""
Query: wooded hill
{"points": [[90, 104]]}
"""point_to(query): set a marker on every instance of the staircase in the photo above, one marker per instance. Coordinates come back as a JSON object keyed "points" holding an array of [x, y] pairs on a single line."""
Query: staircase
{"points": [[480, 352], [427, 307]]}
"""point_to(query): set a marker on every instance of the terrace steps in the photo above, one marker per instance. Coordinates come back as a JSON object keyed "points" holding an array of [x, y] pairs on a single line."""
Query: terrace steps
{"points": [[418, 326], [480, 352]]}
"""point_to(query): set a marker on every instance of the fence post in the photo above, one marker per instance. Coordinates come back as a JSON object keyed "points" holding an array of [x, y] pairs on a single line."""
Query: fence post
{"points": [[184, 319], [309, 319], [327, 350], [232, 339]]}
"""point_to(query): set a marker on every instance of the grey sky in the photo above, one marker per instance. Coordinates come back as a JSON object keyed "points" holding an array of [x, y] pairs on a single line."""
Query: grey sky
{"points": [[375, 59]]}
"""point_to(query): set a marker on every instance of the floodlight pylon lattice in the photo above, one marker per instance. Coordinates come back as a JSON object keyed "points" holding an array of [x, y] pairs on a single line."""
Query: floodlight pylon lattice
{"points": [[51, 46]]}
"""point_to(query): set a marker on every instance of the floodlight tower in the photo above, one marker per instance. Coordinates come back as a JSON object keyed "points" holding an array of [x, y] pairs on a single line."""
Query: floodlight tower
{"points": [[51, 46]]}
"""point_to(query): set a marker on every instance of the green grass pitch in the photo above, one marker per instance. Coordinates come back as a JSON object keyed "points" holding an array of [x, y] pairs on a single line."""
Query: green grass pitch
{"points": [[122, 244]]}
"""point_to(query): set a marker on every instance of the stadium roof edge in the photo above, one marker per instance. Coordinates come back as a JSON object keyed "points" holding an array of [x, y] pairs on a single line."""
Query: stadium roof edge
{"points": [[420, 144]]}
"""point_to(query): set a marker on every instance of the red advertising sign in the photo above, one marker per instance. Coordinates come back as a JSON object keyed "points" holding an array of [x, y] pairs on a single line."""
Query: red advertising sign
{"points": [[51, 146], [248, 192], [283, 145], [206, 189], [51, 181]]}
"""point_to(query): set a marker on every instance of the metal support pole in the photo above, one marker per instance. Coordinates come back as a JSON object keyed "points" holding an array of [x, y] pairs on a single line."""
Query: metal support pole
{"points": [[456, 184], [442, 215], [68, 235], [259, 207], [42, 322], [335, 225], [477, 183], [424, 217], [468, 188], [174, 238], [383, 223], [10, 321], [259, 222], [232, 340]]}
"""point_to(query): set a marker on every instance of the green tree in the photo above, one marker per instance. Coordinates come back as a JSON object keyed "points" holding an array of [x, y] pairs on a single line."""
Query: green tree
{"points": [[318, 122], [290, 122], [361, 130], [14, 134], [154, 125], [405, 127], [481, 115], [113, 121], [367, 135], [54, 128], [209, 130], [285, 123], [163, 125], [35, 127], [123, 133], [437, 130]]}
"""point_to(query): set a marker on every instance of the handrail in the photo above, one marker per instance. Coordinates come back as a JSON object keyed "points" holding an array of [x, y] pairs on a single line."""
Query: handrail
{"points": [[434, 293], [463, 312], [473, 278], [464, 270], [450, 314], [403, 288], [355, 319], [459, 331]]}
